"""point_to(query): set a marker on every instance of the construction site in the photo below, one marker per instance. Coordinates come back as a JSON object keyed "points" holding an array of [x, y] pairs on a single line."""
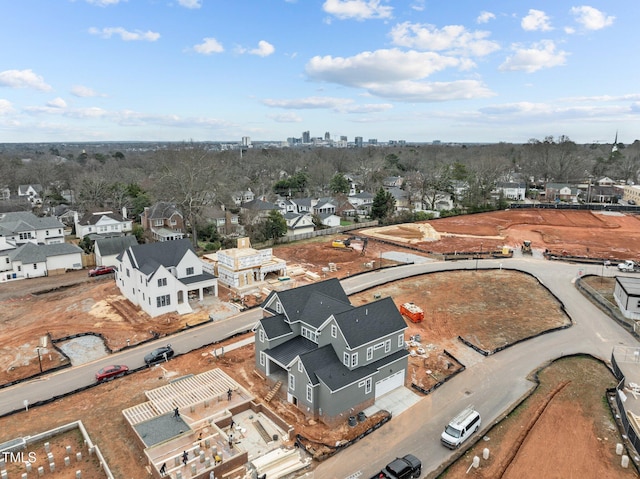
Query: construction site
{"points": [[75, 304]]}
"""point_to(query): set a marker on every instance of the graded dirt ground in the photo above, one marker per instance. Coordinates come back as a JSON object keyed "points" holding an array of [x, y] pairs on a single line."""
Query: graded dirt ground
{"points": [[564, 429]]}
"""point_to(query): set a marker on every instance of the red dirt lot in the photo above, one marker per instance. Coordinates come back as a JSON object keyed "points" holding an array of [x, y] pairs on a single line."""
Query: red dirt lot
{"points": [[580, 233], [563, 430]]}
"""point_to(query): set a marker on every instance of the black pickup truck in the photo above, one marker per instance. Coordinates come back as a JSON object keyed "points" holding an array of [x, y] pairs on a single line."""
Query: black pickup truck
{"points": [[407, 467]]}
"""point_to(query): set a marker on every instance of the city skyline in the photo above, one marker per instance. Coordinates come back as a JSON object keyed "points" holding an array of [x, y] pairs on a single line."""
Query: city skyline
{"points": [[206, 70]]}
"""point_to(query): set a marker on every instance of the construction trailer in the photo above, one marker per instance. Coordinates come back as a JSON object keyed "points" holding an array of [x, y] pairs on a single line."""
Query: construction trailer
{"points": [[412, 311]]}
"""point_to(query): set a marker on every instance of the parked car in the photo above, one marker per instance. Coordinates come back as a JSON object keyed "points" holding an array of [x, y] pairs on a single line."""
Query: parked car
{"points": [[100, 270], [461, 428], [158, 354], [407, 467], [110, 372]]}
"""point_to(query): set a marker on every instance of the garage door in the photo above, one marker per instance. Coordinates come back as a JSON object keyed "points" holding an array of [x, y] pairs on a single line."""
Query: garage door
{"points": [[389, 383]]}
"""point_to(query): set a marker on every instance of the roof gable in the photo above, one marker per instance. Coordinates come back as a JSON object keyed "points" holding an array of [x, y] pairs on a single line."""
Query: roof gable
{"points": [[148, 257], [369, 322]]}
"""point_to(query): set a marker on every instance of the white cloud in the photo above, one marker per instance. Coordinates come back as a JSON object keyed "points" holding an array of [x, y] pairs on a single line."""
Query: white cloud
{"points": [[125, 35], [344, 105], [536, 20], [209, 46], [57, 103], [83, 91], [418, 5], [287, 117], [380, 66], [309, 103], [540, 55], [412, 91], [484, 17], [264, 49], [453, 38], [193, 4], [103, 3], [23, 79], [5, 107], [591, 18], [357, 9]]}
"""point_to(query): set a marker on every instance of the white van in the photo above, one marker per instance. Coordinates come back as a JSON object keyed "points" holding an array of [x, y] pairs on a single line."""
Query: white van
{"points": [[460, 428]]}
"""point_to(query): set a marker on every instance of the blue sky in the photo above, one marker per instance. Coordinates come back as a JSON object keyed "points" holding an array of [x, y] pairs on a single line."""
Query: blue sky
{"points": [[415, 70]]}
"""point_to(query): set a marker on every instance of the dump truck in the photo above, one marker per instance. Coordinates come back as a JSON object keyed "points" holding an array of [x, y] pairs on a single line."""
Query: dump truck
{"points": [[526, 247], [412, 311], [407, 467]]}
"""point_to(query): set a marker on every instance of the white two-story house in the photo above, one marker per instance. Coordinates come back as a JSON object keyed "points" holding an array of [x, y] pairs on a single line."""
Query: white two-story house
{"points": [[160, 277]]}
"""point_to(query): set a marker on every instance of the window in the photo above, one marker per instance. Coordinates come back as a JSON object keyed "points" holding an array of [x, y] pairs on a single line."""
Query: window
{"points": [[19, 268], [8, 260], [309, 393], [345, 358], [35, 266], [128, 274], [367, 387], [354, 360], [378, 346], [401, 340], [157, 222], [262, 358], [299, 366], [189, 270], [278, 307], [47, 233], [334, 331], [292, 381], [369, 353], [310, 335], [163, 300], [162, 282], [261, 335], [387, 346]]}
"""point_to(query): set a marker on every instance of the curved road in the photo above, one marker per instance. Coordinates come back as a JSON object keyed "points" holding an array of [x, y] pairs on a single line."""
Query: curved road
{"points": [[491, 383]]}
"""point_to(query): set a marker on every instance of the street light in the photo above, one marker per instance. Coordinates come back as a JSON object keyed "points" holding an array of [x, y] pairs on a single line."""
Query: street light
{"points": [[39, 358]]}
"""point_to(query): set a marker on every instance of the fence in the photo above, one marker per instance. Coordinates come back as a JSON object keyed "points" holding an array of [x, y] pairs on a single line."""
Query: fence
{"points": [[584, 206], [606, 305], [326, 232]]}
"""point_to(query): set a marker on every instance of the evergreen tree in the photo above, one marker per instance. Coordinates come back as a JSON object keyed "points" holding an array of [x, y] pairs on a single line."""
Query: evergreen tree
{"points": [[383, 205]]}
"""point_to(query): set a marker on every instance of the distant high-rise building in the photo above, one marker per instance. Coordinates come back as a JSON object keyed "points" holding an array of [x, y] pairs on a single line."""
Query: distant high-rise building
{"points": [[246, 141], [306, 137], [327, 136], [373, 141], [343, 138], [358, 142]]}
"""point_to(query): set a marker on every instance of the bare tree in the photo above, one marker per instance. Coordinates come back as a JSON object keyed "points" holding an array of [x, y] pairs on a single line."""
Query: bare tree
{"points": [[188, 179]]}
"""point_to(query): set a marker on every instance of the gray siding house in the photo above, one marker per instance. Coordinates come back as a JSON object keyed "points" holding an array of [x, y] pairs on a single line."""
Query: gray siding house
{"points": [[334, 359]]}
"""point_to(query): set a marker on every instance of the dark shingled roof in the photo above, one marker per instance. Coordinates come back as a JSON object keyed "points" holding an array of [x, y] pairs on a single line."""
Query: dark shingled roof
{"points": [[286, 352], [319, 307], [294, 300], [316, 359], [148, 257], [111, 246], [275, 326], [370, 322], [336, 375]]}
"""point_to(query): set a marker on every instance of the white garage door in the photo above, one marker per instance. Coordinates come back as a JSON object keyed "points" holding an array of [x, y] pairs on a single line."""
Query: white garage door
{"points": [[389, 383]]}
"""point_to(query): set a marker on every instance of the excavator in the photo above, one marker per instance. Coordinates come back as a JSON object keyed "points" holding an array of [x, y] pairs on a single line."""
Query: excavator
{"points": [[526, 247], [352, 243]]}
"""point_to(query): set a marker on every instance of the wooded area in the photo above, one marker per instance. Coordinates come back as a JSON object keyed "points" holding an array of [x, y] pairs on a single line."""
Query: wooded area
{"points": [[197, 175]]}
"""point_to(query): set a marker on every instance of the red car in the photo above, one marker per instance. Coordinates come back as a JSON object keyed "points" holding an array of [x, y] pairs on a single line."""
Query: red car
{"points": [[100, 270], [109, 372]]}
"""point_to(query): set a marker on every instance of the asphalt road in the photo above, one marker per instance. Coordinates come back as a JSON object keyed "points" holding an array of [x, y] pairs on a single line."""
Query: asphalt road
{"points": [[78, 377], [492, 384]]}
